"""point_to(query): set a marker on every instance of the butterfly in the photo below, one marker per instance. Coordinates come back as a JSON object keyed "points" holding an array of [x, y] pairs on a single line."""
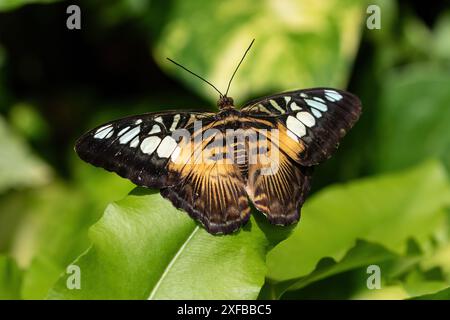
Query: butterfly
{"points": [[212, 164]]}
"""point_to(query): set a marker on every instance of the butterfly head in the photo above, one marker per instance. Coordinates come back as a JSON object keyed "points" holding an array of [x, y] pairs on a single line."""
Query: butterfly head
{"points": [[225, 102]]}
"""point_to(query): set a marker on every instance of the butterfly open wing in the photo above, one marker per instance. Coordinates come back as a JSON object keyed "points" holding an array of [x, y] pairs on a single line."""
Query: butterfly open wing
{"points": [[309, 125], [313, 120], [168, 151]]}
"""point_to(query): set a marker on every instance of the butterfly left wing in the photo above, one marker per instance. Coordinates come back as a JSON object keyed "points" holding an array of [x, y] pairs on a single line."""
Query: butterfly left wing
{"points": [[303, 129], [311, 121]]}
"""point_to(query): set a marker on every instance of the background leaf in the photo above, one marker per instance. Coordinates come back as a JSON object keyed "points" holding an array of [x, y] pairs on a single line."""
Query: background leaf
{"points": [[10, 279], [412, 125], [298, 44], [18, 166], [13, 4], [441, 295], [417, 196]]}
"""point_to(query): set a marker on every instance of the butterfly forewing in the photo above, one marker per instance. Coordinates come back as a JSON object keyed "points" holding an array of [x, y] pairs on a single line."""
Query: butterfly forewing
{"points": [[139, 147], [311, 121]]}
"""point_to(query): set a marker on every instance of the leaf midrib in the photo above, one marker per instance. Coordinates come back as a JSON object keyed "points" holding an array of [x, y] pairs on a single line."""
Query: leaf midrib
{"points": [[171, 263]]}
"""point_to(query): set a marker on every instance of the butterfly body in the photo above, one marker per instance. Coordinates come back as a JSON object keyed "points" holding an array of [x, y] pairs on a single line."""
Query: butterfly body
{"points": [[212, 164]]}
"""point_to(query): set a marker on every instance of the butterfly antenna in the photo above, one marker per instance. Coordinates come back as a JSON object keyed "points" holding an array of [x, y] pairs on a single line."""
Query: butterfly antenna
{"points": [[201, 78], [242, 59]]}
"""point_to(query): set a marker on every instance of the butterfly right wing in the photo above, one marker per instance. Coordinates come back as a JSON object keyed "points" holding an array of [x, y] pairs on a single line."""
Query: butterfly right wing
{"points": [[210, 187], [174, 152]]}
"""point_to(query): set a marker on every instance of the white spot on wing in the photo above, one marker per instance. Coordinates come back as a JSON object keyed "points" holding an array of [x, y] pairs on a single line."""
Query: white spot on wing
{"points": [[306, 118], [176, 119], [149, 145], [294, 106], [316, 113], [109, 135], [303, 95], [175, 154], [315, 104], [287, 99], [319, 99], [295, 126], [103, 132], [166, 147], [102, 128], [276, 105], [155, 129], [291, 135], [160, 120], [134, 143], [121, 132], [333, 95], [129, 135], [262, 108], [138, 121]]}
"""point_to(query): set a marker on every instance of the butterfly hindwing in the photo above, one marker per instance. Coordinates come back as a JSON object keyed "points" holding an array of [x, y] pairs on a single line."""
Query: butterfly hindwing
{"points": [[276, 184], [313, 121]]}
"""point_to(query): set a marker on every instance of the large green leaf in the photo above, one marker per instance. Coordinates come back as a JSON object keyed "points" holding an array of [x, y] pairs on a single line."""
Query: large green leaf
{"points": [[414, 117], [298, 43], [144, 248], [45, 229], [384, 210]]}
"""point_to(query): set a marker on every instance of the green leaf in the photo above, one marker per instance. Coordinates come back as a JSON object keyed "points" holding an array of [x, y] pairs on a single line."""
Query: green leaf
{"points": [[414, 117], [45, 229], [362, 254], [10, 279], [385, 210], [18, 166], [39, 277], [440, 295], [144, 248], [6, 5], [298, 44]]}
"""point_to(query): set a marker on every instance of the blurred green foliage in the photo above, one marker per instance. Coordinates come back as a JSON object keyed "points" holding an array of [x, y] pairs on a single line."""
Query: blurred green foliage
{"points": [[13, 4], [382, 199], [297, 42]]}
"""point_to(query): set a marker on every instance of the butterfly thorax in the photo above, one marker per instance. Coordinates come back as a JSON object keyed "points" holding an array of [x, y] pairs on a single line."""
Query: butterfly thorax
{"points": [[225, 102]]}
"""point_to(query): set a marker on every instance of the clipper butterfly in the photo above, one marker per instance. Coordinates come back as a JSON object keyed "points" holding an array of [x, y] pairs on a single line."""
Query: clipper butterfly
{"points": [[200, 163]]}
